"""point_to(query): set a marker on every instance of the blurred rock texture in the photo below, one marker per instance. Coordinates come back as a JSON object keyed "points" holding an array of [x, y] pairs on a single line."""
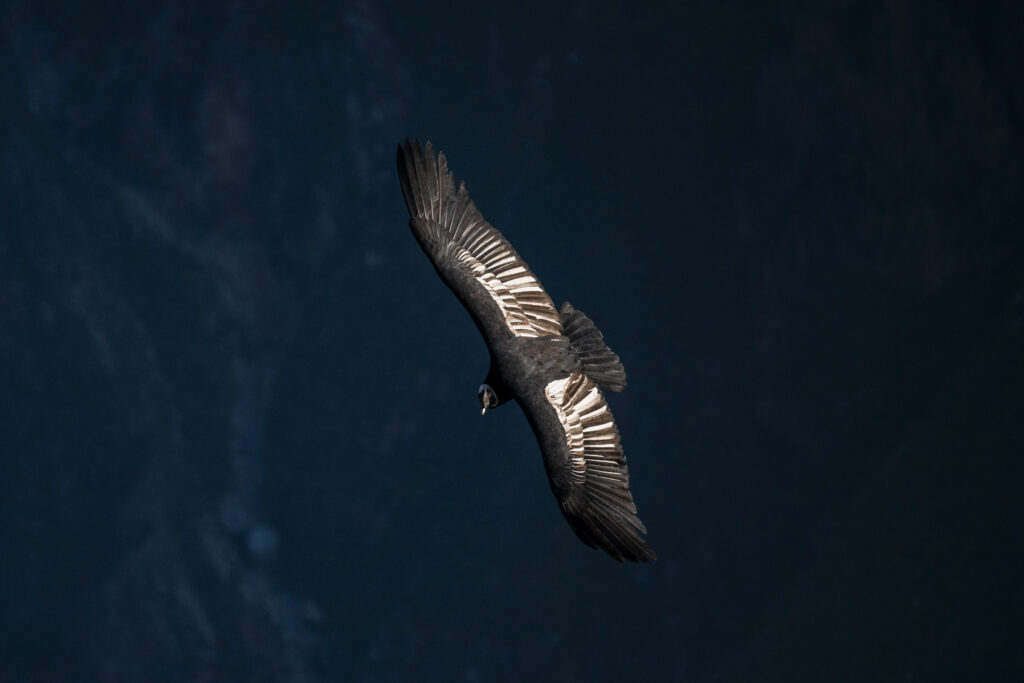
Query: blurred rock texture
{"points": [[198, 483], [890, 284]]}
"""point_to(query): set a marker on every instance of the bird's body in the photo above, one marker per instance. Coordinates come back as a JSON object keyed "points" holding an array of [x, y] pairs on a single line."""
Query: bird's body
{"points": [[552, 362]]}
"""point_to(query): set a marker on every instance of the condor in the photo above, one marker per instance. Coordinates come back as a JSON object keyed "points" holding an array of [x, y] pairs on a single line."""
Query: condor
{"points": [[553, 363]]}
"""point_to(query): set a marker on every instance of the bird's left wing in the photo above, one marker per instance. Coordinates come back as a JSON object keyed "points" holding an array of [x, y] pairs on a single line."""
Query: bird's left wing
{"points": [[586, 465], [472, 257]]}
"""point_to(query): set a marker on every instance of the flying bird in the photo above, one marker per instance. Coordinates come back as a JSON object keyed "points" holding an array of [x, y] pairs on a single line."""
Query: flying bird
{"points": [[552, 362]]}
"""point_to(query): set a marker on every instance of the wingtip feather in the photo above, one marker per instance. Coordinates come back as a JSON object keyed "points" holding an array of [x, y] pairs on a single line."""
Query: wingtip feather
{"points": [[610, 531]]}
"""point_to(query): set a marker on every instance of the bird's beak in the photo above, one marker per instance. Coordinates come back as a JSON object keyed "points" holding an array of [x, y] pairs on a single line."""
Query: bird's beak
{"points": [[483, 410]]}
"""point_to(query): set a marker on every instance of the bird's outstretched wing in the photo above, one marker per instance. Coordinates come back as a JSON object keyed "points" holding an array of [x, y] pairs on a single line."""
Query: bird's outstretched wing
{"points": [[586, 466], [471, 256]]}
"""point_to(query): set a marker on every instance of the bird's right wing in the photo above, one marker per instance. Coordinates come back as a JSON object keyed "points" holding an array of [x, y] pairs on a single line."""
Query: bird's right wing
{"points": [[472, 257], [587, 469]]}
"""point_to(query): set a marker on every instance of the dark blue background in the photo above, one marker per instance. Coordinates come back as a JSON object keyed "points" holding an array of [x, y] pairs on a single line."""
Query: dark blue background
{"points": [[239, 430]]}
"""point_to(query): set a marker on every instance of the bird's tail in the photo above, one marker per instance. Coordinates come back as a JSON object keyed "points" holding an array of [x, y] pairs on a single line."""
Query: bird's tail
{"points": [[600, 363]]}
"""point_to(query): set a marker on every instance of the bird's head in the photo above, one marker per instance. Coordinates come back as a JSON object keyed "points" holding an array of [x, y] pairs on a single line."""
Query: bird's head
{"points": [[488, 398]]}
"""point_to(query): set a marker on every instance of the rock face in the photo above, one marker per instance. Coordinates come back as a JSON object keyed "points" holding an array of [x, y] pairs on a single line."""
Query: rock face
{"points": [[882, 208], [232, 393], [156, 257]]}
